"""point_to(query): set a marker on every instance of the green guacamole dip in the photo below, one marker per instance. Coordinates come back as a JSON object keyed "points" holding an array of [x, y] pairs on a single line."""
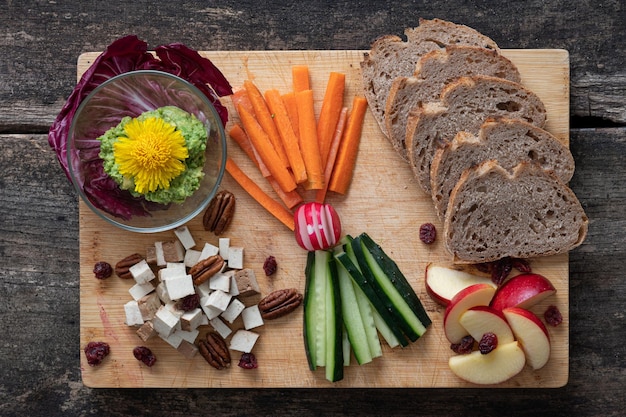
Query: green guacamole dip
{"points": [[181, 187]]}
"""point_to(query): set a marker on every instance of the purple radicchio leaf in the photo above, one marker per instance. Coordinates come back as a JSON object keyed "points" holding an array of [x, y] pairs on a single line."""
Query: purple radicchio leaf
{"points": [[127, 54]]}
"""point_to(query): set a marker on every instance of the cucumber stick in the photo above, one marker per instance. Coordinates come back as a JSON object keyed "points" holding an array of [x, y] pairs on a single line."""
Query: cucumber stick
{"points": [[391, 286], [322, 316]]}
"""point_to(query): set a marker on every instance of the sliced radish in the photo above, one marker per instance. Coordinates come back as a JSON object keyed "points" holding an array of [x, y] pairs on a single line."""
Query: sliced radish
{"points": [[317, 226]]}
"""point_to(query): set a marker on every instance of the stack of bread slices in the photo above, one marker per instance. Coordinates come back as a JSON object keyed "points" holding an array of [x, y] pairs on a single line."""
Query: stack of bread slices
{"points": [[455, 109]]}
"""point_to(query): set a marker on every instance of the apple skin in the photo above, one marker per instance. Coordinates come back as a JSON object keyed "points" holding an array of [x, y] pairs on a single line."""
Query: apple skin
{"points": [[442, 283], [499, 365], [472, 296], [524, 291], [317, 226], [532, 335], [483, 319]]}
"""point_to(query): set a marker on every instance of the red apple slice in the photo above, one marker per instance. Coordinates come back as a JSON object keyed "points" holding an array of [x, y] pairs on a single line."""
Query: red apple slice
{"points": [[531, 333], [472, 296], [442, 283], [522, 291], [483, 319], [502, 363]]}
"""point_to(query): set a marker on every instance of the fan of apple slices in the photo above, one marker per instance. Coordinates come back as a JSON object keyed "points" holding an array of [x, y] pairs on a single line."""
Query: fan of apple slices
{"points": [[475, 306]]}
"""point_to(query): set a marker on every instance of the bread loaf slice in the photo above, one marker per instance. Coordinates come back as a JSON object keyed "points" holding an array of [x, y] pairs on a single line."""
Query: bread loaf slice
{"points": [[464, 106], [391, 57], [433, 71], [494, 213], [509, 141]]}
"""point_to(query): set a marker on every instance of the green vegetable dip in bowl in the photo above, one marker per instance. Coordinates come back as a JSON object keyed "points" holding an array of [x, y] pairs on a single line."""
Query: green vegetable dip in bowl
{"points": [[146, 151]]}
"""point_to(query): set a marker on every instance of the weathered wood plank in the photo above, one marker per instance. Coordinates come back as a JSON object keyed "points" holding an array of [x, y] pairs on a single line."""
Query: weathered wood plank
{"points": [[39, 290]]}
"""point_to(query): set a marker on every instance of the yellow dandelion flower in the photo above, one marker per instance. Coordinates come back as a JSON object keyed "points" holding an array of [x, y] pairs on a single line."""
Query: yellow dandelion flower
{"points": [[151, 153]]}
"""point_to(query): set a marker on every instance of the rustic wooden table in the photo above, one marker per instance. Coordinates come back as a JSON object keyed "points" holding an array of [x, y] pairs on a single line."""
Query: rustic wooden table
{"points": [[39, 227]]}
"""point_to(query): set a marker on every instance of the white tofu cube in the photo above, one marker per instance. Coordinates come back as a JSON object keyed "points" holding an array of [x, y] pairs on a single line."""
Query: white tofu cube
{"points": [[146, 331], [204, 320], [139, 290], [171, 306], [167, 273], [173, 251], [233, 310], [224, 246], [251, 317], [191, 319], [219, 299], [165, 322], [220, 281], [192, 257], [184, 236], [208, 250], [234, 289], [188, 350], [160, 256], [189, 336], [174, 339], [243, 341], [162, 293], [209, 311], [141, 272], [149, 305], [179, 287], [133, 314], [235, 257], [203, 290], [220, 327]]}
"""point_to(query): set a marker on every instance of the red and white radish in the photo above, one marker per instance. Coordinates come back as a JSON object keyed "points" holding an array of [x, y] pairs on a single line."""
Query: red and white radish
{"points": [[317, 226]]}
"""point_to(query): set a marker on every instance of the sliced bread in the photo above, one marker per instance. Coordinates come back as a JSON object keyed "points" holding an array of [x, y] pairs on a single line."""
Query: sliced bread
{"points": [[433, 71], [510, 141], [464, 106], [391, 57], [494, 213]]}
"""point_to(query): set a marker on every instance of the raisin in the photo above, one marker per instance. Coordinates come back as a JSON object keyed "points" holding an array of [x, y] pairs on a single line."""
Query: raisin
{"points": [[553, 316], [466, 345], [144, 355], [270, 265], [96, 352], [487, 343], [189, 302], [428, 233], [248, 361], [102, 270]]}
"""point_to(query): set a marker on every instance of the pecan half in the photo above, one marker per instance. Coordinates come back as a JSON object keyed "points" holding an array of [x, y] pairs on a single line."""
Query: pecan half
{"points": [[206, 268], [122, 268], [219, 213], [214, 350], [279, 303]]}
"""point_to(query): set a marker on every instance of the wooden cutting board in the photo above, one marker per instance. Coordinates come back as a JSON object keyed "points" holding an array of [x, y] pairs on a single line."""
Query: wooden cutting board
{"points": [[383, 201]]}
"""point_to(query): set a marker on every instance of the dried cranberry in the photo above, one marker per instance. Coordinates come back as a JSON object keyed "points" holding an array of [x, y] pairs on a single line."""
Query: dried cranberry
{"points": [[96, 352], [269, 266], [428, 233], [521, 265], [248, 361], [500, 270], [466, 345], [487, 343], [102, 270], [189, 302], [553, 316], [144, 355]]}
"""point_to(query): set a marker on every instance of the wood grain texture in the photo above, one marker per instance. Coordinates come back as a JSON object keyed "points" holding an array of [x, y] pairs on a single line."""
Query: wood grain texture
{"points": [[383, 200]]}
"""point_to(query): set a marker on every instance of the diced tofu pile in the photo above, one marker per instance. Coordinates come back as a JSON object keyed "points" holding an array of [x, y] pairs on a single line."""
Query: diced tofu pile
{"points": [[153, 308]]}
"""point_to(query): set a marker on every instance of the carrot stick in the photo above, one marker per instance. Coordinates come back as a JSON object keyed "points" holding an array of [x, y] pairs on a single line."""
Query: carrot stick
{"points": [[329, 114], [289, 100], [308, 140], [272, 206], [240, 97], [262, 144], [300, 76], [320, 195], [291, 198], [264, 117], [346, 157], [288, 138]]}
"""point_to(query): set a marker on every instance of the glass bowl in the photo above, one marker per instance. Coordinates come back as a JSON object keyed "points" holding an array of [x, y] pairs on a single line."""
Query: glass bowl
{"points": [[131, 94]]}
